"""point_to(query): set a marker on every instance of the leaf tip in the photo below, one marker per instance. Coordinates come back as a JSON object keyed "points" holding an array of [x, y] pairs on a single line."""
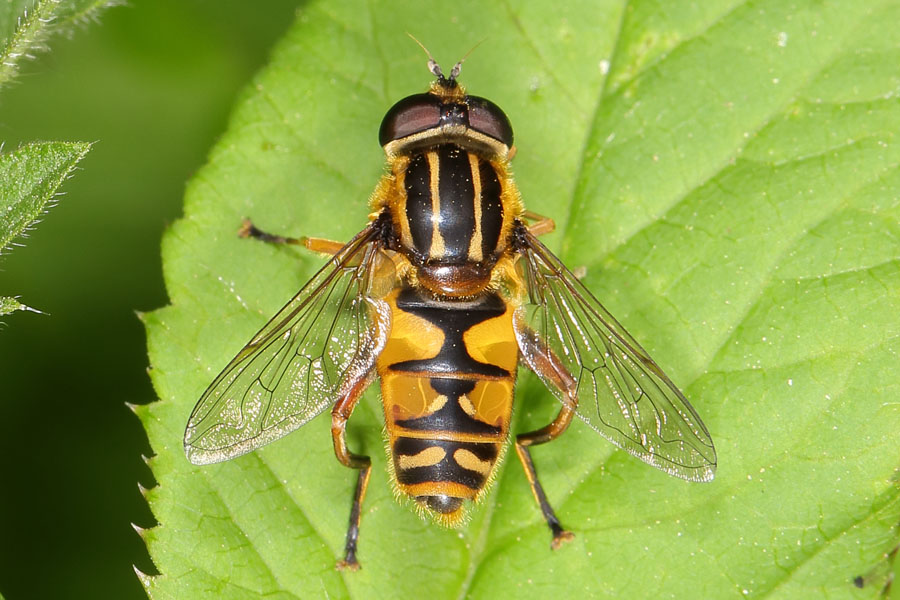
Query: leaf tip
{"points": [[9, 305], [146, 580], [143, 490], [139, 530]]}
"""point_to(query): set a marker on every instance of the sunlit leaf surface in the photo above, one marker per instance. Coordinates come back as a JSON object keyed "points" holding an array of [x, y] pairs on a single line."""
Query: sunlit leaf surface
{"points": [[726, 172]]}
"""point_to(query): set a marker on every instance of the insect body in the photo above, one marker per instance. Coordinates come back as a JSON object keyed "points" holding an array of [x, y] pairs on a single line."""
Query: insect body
{"points": [[440, 297]]}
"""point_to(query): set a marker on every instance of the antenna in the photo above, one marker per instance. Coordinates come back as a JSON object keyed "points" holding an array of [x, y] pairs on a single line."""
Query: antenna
{"points": [[436, 68], [454, 72], [432, 64]]}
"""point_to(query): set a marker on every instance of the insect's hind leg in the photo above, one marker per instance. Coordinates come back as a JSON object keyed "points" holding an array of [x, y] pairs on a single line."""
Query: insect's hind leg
{"points": [[320, 245], [543, 362], [341, 412], [541, 436]]}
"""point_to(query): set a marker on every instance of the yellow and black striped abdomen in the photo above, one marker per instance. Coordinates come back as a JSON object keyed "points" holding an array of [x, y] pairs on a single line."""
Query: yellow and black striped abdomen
{"points": [[447, 378]]}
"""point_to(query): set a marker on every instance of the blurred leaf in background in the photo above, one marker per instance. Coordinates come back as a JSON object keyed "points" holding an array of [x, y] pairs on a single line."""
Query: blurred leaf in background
{"points": [[26, 27], [30, 176], [150, 84], [726, 172]]}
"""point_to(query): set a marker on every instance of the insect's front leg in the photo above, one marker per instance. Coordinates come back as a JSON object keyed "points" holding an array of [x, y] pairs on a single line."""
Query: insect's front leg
{"points": [[320, 245], [543, 362], [341, 412], [542, 225]]}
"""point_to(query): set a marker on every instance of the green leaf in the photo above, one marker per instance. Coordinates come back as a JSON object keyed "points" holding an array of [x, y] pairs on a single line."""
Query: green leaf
{"points": [[726, 172], [9, 305], [25, 26], [29, 179], [30, 175]]}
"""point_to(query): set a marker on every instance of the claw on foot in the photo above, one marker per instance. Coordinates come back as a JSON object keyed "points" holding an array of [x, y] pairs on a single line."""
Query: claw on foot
{"points": [[561, 538], [246, 229], [347, 565]]}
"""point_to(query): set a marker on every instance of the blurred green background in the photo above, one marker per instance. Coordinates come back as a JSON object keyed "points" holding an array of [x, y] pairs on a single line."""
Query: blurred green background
{"points": [[151, 83]]}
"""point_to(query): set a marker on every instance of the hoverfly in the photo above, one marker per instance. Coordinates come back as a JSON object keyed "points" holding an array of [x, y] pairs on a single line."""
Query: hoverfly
{"points": [[440, 297]]}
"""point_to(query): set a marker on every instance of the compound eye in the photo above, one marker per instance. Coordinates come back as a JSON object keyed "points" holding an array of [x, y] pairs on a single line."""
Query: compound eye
{"points": [[413, 114], [487, 118]]}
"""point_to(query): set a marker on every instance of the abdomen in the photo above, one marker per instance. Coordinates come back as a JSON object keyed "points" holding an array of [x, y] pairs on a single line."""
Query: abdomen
{"points": [[447, 378]]}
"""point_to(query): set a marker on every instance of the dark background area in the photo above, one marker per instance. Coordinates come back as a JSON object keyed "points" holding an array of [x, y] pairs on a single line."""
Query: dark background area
{"points": [[152, 84]]}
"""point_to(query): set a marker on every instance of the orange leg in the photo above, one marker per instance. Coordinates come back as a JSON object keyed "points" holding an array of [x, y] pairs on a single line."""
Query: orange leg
{"points": [[320, 245], [541, 225], [541, 360], [341, 412]]}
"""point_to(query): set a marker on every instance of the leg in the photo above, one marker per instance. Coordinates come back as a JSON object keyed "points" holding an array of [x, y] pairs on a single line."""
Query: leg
{"points": [[339, 415], [541, 223], [543, 435], [322, 246], [544, 363]]}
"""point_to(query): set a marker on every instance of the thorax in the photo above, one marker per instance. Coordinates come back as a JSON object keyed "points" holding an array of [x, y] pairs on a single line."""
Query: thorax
{"points": [[452, 210]]}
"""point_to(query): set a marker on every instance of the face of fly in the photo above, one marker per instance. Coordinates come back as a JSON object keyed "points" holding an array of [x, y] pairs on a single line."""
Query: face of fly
{"points": [[446, 114]]}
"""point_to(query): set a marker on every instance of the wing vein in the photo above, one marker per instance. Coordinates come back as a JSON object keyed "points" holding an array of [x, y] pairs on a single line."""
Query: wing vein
{"points": [[620, 390], [297, 364]]}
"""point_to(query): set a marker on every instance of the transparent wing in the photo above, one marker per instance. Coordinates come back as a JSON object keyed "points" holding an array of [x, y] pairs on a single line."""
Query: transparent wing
{"points": [[324, 340], [620, 391]]}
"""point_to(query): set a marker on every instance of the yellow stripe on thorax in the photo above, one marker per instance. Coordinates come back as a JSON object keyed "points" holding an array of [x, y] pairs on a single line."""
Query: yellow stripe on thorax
{"points": [[393, 196], [475, 251], [437, 241]]}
